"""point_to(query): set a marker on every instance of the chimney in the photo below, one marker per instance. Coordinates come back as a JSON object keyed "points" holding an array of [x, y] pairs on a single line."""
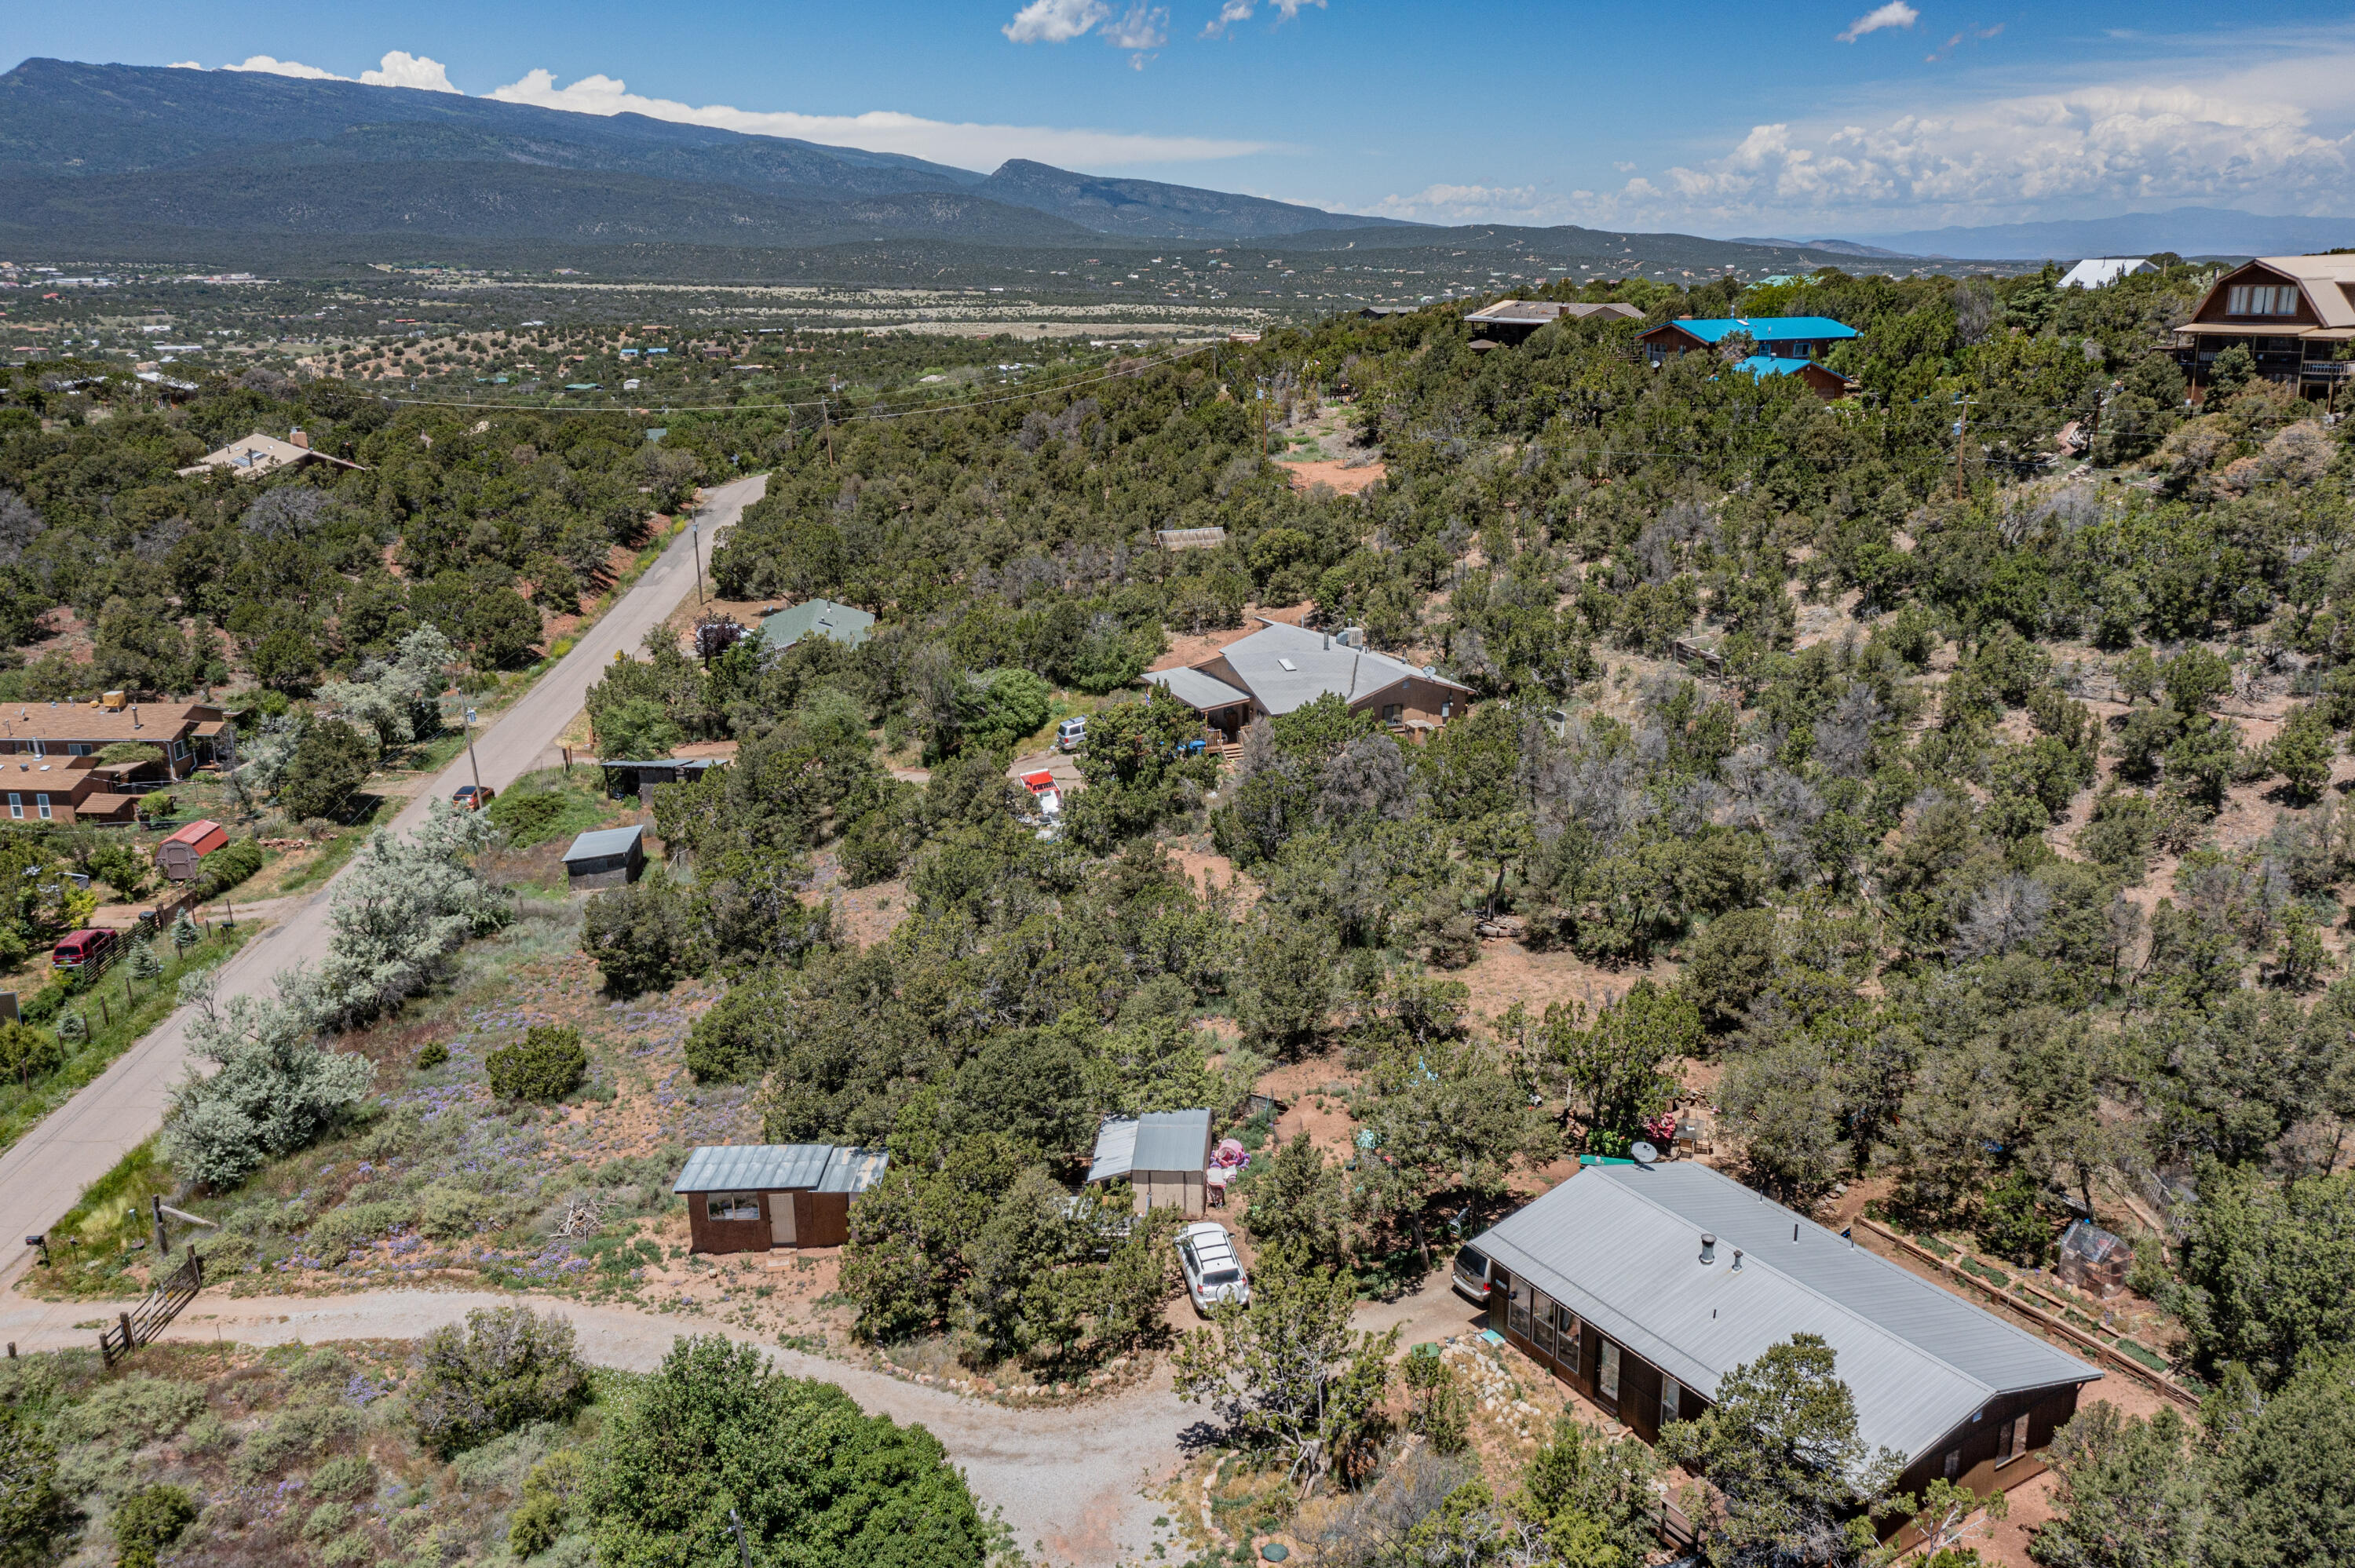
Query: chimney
{"points": [[1708, 1247], [299, 438]]}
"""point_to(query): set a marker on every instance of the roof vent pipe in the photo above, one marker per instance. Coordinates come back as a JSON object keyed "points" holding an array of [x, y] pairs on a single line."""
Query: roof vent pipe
{"points": [[1737, 1260], [1708, 1247], [1794, 1230]]}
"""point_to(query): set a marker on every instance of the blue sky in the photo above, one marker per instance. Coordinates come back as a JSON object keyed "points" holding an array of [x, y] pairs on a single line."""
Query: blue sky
{"points": [[1849, 118]]}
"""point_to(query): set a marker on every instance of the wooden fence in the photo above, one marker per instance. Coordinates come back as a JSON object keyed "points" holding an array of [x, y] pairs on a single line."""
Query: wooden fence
{"points": [[144, 1321]]}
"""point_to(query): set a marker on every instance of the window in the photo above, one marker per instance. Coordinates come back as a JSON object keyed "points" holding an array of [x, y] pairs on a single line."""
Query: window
{"points": [[2261, 300], [1393, 712], [733, 1206], [1518, 1315], [78, 748], [1606, 1377], [2015, 1438], [1544, 1337], [1566, 1330], [15, 805], [1672, 1400], [41, 804], [1953, 1466]]}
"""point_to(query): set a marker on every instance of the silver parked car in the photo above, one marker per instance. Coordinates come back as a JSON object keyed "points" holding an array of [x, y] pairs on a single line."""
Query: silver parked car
{"points": [[1214, 1273]]}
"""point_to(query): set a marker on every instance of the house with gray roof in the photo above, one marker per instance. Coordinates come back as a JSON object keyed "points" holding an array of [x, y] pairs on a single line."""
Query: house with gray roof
{"points": [[845, 623], [1642, 1285], [1164, 1155], [749, 1197], [1279, 668]]}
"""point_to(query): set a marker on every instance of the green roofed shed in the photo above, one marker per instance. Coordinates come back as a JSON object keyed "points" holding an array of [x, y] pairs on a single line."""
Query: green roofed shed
{"points": [[844, 623]]}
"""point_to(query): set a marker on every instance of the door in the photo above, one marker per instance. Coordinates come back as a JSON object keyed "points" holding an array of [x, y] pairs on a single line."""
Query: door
{"points": [[782, 1231], [1542, 1314]]}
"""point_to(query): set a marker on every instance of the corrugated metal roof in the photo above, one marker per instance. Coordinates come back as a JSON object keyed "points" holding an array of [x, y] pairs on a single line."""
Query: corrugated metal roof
{"points": [[1763, 329], [1620, 1247], [843, 623], [2096, 271], [1287, 667], [780, 1167], [601, 842], [1197, 690], [1157, 1141]]}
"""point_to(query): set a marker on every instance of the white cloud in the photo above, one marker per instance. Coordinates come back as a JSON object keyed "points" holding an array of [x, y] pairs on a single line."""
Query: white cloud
{"points": [[1144, 28], [1479, 204], [967, 145], [401, 68], [1896, 14], [1235, 11], [398, 69], [2220, 141], [269, 66], [1054, 21]]}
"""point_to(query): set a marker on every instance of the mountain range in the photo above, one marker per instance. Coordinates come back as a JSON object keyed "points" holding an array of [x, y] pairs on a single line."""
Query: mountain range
{"points": [[135, 162], [2186, 230], [83, 146]]}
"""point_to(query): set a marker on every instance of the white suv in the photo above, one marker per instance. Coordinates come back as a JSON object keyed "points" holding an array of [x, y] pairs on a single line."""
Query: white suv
{"points": [[1214, 1273]]}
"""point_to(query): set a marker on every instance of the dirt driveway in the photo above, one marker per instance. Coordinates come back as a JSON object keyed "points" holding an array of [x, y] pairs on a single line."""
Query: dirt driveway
{"points": [[1072, 1482]]}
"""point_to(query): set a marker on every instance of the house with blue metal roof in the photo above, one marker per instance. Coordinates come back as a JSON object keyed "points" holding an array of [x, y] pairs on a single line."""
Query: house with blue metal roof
{"points": [[845, 623], [1821, 379], [1783, 337]]}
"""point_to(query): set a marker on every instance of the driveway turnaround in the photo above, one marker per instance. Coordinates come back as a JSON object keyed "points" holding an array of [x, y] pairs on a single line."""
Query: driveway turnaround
{"points": [[44, 1175], [1072, 1482]]}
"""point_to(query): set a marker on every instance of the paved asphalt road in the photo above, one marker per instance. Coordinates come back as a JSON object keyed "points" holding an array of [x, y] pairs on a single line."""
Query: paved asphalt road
{"points": [[44, 1175]]}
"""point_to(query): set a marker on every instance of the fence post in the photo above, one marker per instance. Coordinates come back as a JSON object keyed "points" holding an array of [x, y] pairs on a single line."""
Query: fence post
{"points": [[128, 1344]]}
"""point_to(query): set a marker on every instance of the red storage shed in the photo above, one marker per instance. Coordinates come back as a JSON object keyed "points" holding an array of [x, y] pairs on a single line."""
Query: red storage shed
{"points": [[176, 856]]}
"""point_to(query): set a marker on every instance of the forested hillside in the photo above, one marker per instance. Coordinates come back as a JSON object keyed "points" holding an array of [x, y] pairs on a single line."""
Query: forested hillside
{"points": [[1943, 787]]}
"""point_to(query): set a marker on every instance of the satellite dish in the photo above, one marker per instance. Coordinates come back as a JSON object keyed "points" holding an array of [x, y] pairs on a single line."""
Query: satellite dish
{"points": [[1643, 1153]]}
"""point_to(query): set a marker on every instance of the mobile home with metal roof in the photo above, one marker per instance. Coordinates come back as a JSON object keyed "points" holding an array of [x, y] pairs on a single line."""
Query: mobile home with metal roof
{"points": [[1164, 1155], [1642, 1285]]}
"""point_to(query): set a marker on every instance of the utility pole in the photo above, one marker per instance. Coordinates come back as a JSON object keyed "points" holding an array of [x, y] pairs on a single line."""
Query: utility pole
{"points": [[1961, 435], [744, 1551], [695, 543], [472, 765], [826, 419]]}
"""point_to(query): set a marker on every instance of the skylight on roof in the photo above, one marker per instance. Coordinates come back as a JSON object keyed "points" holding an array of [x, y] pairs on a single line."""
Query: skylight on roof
{"points": [[1288, 664]]}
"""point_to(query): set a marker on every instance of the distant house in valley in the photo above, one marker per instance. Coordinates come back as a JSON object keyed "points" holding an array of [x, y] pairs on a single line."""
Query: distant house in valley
{"points": [[2291, 312], [2100, 271], [751, 1197], [250, 457], [1163, 1155], [845, 624], [1642, 1285], [1280, 668], [1512, 321], [1189, 538], [1783, 337]]}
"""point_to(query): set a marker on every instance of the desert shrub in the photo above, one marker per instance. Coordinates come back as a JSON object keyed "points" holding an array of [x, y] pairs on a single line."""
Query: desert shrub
{"points": [[227, 866], [509, 1365], [444, 1212], [529, 817], [26, 1053], [546, 1504], [432, 1056], [337, 1230], [147, 1521], [345, 1476], [295, 1432], [1440, 1405], [642, 935], [547, 1063]]}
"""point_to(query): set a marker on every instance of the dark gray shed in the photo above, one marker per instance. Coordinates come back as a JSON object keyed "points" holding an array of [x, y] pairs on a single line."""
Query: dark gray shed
{"points": [[606, 858]]}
